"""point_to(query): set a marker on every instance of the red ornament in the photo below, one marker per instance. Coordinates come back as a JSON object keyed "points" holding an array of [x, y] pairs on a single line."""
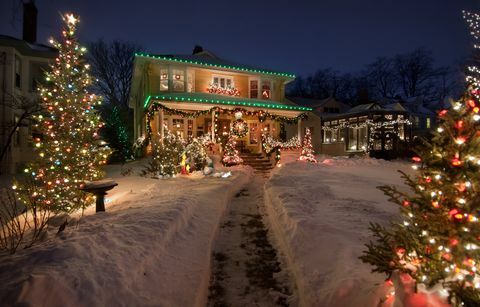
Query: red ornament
{"points": [[471, 103], [442, 113], [428, 179], [453, 242], [459, 124], [417, 159], [406, 203]]}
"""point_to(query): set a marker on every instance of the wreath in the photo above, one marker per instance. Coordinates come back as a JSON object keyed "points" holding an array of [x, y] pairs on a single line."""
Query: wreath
{"points": [[239, 128]]}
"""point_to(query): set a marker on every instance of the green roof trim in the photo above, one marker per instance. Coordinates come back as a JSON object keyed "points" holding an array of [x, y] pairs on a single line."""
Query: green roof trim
{"points": [[235, 102], [239, 68]]}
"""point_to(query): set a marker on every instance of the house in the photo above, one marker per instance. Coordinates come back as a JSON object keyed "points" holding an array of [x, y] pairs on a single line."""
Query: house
{"points": [[382, 131], [199, 94], [424, 119], [22, 65]]}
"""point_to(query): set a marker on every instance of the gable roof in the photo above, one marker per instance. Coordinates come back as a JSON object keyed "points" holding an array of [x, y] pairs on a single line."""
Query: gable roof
{"points": [[205, 59]]}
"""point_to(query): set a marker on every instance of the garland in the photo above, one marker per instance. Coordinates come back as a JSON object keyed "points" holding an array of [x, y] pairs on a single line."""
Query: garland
{"points": [[269, 144], [368, 123], [213, 88], [261, 115]]}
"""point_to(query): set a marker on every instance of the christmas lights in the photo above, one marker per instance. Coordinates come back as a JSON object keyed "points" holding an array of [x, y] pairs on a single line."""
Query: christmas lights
{"points": [[230, 154], [307, 153], [68, 146], [239, 68], [214, 88]]}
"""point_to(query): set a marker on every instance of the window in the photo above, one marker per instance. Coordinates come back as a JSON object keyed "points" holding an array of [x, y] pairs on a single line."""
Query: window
{"points": [[352, 139], [223, 82], [178, 80], [330, 136], [190, 82], [253, 89], [164, 79], [253, 133], [18, 72], [417, 122], [357, 137], [178, 127], [266, 89], [428, 123]]}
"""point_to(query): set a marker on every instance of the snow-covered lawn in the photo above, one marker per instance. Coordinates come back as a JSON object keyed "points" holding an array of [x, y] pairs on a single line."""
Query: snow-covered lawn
{"points": [[151, 247], [320, 214]]}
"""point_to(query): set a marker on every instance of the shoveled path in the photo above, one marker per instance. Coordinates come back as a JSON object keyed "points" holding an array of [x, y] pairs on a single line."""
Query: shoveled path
{"points": [[246, 268]]}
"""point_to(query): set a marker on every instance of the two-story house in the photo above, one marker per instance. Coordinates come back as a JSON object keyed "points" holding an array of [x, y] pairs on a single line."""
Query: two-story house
{"points": [[192, 95], [22, 66]]}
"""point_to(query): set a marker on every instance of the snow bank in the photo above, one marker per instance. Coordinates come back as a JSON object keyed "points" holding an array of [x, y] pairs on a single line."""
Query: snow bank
{"points": [[319, 214], [151, 247]]}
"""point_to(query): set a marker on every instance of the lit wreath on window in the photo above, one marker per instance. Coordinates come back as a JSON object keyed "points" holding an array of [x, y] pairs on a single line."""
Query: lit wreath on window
{"points": [[239, 128]]}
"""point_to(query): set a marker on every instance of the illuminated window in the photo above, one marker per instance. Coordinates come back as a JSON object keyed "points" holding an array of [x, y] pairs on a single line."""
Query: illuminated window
{"points": [[223, 81], [266, 89], [178, 80], [164, 79], [254, 89], [427, 123]]}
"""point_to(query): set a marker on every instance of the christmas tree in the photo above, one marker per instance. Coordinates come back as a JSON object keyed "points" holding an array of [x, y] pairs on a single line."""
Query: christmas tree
{"points": [[68, 145], [230, 153], [437, 243], [307, 149], [166, 156], [196, 155]]}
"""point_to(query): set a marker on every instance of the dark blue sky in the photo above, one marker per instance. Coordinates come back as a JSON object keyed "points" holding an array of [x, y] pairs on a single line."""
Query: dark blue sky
{"points": [[295, 36]]}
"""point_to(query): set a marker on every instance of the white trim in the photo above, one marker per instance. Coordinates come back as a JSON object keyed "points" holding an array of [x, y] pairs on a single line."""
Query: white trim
{"points": [[225, 77]]}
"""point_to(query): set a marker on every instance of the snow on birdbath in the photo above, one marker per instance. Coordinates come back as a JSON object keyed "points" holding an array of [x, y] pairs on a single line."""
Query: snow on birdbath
{"points": [[99, 189]]}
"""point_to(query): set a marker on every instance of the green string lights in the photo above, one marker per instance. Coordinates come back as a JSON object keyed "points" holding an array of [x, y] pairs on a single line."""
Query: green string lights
{"points": [[225, 102], [239, 68]]}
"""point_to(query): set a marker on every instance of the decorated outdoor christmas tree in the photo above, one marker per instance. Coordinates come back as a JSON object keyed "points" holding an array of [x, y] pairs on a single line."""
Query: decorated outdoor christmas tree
{"points": [[307, 148], [196, 155], [166, 156], [437, 242], [69, 151], [230, 153]]}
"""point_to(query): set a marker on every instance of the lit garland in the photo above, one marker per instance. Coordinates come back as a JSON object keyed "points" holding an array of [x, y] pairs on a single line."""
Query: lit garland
{"points": [[269, 143], [69, 149], [214, 88], [260, 114]]}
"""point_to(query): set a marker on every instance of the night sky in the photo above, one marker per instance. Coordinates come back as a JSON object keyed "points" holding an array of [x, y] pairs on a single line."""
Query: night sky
{"points": [[294, 36]]}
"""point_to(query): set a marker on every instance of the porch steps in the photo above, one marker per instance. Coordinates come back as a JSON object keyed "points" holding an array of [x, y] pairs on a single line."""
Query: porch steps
{"points": [[257, 161]]}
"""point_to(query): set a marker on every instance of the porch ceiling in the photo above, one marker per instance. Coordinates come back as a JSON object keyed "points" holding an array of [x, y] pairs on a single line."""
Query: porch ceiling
{"points": [[188, 100]]}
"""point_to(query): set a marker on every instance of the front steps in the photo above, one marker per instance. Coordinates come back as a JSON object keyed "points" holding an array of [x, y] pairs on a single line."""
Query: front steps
{"points": [[257, 161]]}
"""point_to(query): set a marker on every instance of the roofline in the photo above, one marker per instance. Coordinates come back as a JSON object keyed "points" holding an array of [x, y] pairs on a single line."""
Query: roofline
{"points": [[225, 102], [361, 113], [202, 63]]}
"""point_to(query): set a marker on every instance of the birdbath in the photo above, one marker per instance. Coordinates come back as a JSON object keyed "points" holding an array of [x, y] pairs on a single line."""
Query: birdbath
{"points": [[99, 189]]}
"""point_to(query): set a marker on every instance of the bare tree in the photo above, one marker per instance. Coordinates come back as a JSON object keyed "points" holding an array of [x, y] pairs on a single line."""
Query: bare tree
{"points": [[25, 108], [380, 76], [415, 73], [112, 66]]}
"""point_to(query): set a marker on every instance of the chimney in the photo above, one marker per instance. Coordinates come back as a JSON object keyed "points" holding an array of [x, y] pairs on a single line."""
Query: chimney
{"points": [[30, 21], [197, 49]]}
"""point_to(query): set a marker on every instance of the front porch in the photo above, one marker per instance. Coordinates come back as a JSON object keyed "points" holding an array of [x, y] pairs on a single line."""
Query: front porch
{"points": [[191, 119]]}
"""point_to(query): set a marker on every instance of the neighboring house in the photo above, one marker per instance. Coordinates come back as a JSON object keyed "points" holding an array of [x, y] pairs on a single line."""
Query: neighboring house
{"points": [[22, 65], [383, 132], [196, 94], [424, 119]]}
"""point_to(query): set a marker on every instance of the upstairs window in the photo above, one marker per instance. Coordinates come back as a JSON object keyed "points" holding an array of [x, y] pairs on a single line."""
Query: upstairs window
{"points": [[266, 89], [18, 72], [253, 89], [428, 123], [164, 79], [178, 80], [223, 82]]}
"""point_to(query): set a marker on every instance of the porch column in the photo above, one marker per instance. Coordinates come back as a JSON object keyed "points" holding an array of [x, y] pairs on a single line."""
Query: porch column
{"points": [[161, 127], [299, 128], [213, 126]]}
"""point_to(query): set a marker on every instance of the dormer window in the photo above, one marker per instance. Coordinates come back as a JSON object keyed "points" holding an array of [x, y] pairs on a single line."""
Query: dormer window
{"points": [[164, 79]]}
